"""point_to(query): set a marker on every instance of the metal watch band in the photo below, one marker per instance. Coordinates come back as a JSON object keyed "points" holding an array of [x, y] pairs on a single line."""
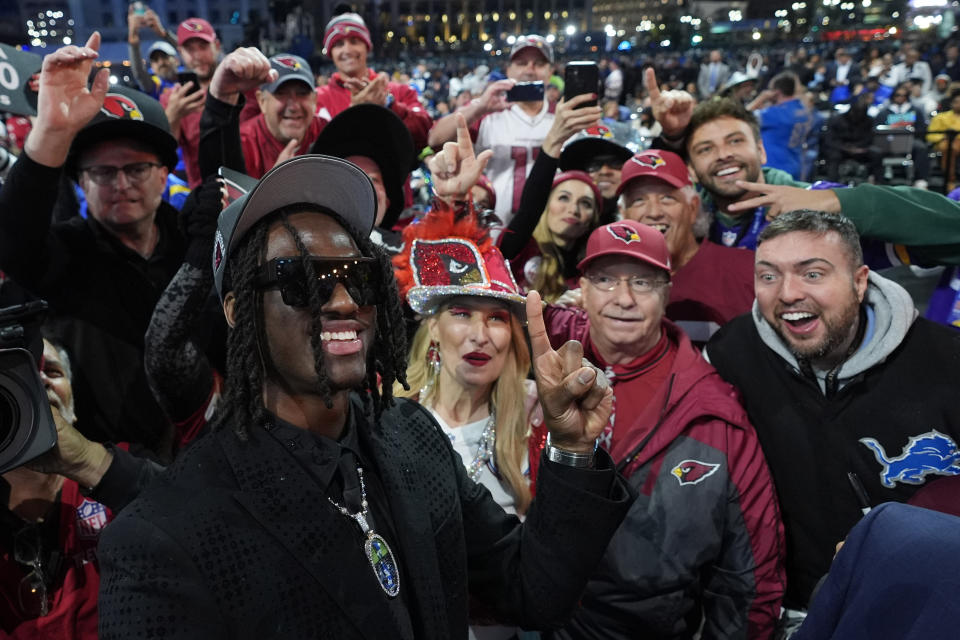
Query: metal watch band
{"points": [[570, 458]]}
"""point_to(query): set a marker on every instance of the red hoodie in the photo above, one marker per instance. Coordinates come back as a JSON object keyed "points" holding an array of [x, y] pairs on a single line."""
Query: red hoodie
{"points": [[333, 97]]}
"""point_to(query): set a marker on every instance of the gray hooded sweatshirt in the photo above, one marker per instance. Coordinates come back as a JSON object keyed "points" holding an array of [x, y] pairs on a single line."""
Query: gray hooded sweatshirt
{"points": [[890, 312]]}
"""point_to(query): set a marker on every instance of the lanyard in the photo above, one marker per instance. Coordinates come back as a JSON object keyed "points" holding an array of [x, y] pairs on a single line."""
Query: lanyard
{"points": [[740, 236]]}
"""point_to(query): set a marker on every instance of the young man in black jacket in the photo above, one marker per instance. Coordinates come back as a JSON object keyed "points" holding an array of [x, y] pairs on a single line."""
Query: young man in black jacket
{"points": [[319, 508]]}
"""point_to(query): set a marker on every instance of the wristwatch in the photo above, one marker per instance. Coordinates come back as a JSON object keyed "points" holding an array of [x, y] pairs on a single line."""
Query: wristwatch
{"points": [[571, 458]]}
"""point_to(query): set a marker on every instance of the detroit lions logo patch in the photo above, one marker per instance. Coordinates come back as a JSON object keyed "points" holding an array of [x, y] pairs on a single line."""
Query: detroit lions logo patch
{"points": [[928, 453], [693, 471]]}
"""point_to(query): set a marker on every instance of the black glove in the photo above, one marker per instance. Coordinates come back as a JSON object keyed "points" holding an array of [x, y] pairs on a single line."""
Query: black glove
{"points": [[198, 216]]}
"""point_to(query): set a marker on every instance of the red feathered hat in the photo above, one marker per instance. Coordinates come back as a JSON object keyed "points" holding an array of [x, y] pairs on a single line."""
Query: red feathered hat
{"points": [[445, 256]]}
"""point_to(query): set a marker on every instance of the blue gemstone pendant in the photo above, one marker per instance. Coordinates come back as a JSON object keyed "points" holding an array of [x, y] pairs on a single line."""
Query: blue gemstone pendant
{"points": [[383, 563]]}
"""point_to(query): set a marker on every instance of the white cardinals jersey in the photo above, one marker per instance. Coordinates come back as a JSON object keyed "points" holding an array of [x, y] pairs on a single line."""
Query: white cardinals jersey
{"points": [[515, 138]]}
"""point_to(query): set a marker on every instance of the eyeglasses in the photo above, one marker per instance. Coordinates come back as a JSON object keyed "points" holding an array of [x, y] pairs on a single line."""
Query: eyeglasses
{"points": [[104, 174], [599, 162], [358, 276], [636, 283], [33, 596]]}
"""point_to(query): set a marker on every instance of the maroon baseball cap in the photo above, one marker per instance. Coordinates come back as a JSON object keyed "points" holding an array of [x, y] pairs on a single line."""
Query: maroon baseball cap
{"points": [[658, 163], [630, 239], [195, 28]]}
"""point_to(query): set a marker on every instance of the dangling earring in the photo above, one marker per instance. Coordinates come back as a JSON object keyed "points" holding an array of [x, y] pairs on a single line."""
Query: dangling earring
{"points": [[433, 369]]}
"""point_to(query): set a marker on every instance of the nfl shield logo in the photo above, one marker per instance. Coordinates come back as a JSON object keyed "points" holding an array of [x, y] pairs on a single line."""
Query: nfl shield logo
{"points": [[91, 518], [728, 238]]}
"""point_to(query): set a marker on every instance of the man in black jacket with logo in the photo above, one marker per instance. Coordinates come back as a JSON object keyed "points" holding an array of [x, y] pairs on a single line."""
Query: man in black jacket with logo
{"points": [[852, 395]]}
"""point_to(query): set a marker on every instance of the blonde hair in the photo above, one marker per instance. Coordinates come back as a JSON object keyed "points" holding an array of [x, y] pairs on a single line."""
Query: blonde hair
{"points": [[549, 281], [507, 397]]}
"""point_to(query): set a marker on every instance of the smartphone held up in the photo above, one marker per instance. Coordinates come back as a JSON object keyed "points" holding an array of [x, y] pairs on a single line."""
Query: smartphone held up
{"points": [[581, 77]]}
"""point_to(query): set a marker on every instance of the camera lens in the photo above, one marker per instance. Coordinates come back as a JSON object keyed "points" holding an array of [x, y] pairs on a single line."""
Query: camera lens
{"points": [[9, 416]]}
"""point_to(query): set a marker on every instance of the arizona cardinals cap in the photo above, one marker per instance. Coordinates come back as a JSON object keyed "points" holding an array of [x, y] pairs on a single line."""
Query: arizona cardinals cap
{"points": [[630, 239], [289, 67], [330, 183], [127, 113], [591, 143], [657, 163], [195, 28], [535, 42]]}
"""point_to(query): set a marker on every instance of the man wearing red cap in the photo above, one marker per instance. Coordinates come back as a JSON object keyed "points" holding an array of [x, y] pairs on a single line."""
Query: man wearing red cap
{"points": [[200, 51], [706, 521], [347, 42], [712, 284]]}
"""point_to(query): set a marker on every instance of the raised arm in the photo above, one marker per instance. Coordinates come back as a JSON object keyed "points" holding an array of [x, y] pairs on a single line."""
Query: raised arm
{"points": [[178, 371], [64, 105], [136, 22], [492, 99], [242, 70]]}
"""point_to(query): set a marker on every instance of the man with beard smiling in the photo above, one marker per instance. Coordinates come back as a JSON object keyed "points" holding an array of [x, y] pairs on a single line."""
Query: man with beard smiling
{"points": [[703, 539], [845, 385], [899, 225]]}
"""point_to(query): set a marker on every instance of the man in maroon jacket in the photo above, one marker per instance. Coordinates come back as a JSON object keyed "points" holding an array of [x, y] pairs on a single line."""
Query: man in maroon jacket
{"points": [[347, 42], [706, 521]]}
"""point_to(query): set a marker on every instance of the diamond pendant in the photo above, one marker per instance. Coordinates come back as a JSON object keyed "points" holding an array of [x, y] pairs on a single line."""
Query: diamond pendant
{"points": [[383, 564]]}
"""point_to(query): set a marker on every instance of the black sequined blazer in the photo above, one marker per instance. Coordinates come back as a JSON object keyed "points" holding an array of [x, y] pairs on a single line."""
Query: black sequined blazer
{"points": [[234, 541]]}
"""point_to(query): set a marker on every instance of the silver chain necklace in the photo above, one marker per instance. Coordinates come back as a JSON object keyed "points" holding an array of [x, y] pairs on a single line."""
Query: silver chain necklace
{"points": [[485, 448], [376, 548]]}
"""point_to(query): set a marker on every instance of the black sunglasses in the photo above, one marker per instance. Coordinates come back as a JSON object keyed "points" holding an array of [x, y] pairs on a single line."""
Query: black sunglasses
{"points": [[599, 162], [358, 275]]}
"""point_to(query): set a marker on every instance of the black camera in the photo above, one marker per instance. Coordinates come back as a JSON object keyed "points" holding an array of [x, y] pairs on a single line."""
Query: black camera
{"points": [[27, 428]]}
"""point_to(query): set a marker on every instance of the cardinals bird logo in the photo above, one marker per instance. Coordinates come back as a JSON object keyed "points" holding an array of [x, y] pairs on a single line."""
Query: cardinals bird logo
{"points": [[624, 233], [288, 62], [693, 471], [450, 261], [120, 106], [649, 160], [599, 131], [193, 26]]}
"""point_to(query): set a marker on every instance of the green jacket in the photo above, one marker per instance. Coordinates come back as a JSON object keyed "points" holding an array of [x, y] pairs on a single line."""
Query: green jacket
{"points": [[923, 226]]}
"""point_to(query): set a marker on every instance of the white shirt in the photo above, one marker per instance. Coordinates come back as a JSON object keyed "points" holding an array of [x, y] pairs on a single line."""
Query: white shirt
{"points": [[514, 136], [466, 442]]}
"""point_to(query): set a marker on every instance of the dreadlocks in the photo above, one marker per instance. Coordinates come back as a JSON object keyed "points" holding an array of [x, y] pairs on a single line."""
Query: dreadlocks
{"points": [[247, 356]]}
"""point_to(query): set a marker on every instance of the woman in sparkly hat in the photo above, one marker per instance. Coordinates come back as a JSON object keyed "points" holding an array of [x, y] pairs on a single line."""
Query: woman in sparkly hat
{"points": [[469, 358]]}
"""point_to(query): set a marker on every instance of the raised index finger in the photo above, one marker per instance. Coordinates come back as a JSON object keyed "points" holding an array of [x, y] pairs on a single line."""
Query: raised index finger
{"points": [[539, 342], [464, 143], [650, 83]]}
